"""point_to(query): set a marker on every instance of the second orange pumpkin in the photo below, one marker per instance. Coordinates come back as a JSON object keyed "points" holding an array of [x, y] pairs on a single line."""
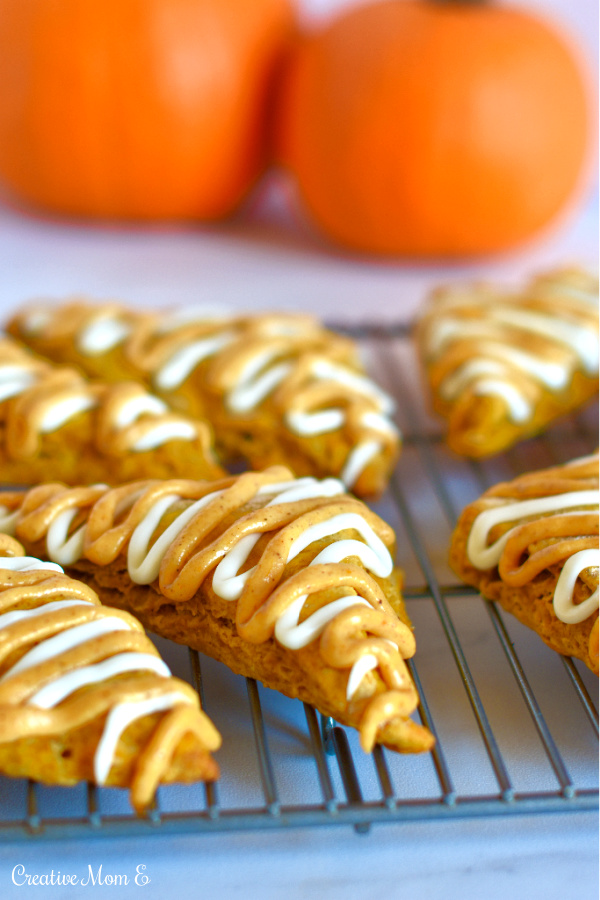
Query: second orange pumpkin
{"points": [[137, 109], [429, 128]]}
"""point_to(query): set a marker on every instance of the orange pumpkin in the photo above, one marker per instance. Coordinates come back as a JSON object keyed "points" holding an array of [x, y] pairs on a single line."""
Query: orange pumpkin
{"points": [[433, 128], [137, 109]]}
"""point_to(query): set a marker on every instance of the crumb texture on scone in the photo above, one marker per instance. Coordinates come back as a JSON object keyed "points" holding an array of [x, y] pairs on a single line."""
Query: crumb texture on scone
{"points": [[287, 580], [502, 365], [278, 388], [532, 544], [57, 424], [84, 695]]}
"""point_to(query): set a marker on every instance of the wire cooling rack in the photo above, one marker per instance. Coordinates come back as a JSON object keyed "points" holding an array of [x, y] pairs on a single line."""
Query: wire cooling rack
{"points": [[516, 727]]}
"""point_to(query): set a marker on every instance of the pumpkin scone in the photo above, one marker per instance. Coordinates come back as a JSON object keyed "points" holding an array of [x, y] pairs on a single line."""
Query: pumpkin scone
{"points": [[277, 388], [56, 424], [502, 366], [532, 545], [84, 695], [290, 581]]}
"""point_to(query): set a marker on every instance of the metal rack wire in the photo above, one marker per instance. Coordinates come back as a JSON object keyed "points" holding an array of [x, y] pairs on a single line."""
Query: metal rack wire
{"points": [[516, 726]]}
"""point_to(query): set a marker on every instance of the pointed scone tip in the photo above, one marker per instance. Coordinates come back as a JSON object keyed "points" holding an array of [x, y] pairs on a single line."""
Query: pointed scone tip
{"points": [[532, 544], [83, 692], [54, 423], [277, 387], [502, 365], [287, 580]]}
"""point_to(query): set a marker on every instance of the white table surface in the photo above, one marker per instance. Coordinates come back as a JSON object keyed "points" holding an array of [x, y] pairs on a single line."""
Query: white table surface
{"points": [[262, 261]]}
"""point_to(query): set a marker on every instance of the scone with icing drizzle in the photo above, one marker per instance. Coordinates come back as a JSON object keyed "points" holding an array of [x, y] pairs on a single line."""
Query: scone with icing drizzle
{"points": [[56, 424], [501, 366], [290, 581], [277, 388], [532, 544], [84, 695]]}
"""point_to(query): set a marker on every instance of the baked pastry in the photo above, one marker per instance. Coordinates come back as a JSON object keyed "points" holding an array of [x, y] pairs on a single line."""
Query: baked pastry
{"points": [[277, 388], [501, 366], [532, 544], [84, 695], [290, 581], [55, 424]]}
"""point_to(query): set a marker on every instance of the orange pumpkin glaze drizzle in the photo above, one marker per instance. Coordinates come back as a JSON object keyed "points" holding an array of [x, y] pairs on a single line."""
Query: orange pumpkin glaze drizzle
{"points": [[568, 533], [46, 387], [150, 341], [111, 517], [551, 538], [24, 590]]}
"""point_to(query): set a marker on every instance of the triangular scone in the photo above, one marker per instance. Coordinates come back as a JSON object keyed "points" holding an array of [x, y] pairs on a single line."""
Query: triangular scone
{"points": [[501, 366], [84, 695], [532, 544], [277, 388], [56, 424], [290, 581]]}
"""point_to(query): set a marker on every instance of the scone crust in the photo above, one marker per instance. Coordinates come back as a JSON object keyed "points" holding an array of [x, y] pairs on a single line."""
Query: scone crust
{"points": [[184, 604], [532, 603], [501, 366], [277, 388]]}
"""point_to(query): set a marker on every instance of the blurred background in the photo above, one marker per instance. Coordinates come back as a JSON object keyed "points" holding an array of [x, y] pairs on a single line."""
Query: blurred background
{"points": [[268, 253]]}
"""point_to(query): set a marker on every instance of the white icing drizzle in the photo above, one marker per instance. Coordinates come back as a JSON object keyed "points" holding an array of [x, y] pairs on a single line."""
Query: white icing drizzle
{"points": [[226, 583], [357, 461], [8, 521], [177, 368], [497, 316], [373, 553], [66, 640], [36, 319], [519, 408], [262, 373], [26, 563], [320, 422], [137, 406], [163, 432], [454, 383], [582, 341], [485, 557], [122, 715], [247, 396], [62, 686], [101, 334], [551, 374], [564, 607], [323, 369], [52, 694], [14, 380], [303, 488], [18, 615], [63, 549], [254, 384], [294, 636], [143, 563], [378, 422], [63, 410], [363, 664]]}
